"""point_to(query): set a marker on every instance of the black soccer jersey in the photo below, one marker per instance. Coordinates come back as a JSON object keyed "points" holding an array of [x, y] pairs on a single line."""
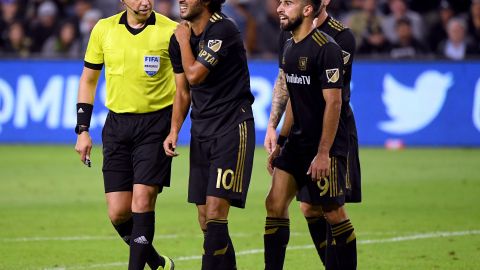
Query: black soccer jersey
{"points": [[345, 39], [223, 100], [311, 65]]}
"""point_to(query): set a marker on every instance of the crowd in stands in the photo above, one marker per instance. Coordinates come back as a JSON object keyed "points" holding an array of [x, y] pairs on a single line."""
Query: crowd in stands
{"points": [[398, 29]]}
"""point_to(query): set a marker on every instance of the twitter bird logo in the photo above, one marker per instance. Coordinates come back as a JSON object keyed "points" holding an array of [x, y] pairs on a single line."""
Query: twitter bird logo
{"points": [[412, 109]]}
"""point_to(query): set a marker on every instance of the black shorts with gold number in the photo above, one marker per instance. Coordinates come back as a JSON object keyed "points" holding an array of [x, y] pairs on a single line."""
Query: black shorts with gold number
{"points": [[133, 150], [328, 191], [221, 167]]}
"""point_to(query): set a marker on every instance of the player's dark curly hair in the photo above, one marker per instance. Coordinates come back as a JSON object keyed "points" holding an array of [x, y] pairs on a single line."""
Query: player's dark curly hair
{"points": [[215, 5]]}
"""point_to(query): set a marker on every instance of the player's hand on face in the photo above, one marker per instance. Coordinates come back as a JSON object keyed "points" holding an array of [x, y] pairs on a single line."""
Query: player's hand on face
{"points": [[270, 140], [320, 167], [273, 155], [84, 146], [170, 144], [183, 32]]}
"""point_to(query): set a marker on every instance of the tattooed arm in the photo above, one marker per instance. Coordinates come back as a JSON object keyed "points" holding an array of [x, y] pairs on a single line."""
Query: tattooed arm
{"points": [[279, 102]]}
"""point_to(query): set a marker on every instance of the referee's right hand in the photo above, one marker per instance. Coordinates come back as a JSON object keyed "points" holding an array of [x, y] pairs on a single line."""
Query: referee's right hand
{"points": [[170, 144], [84, 146]]}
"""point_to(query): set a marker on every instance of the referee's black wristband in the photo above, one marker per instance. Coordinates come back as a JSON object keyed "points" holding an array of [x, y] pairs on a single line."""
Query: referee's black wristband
{"points": [[84, 114], [281, 140]]}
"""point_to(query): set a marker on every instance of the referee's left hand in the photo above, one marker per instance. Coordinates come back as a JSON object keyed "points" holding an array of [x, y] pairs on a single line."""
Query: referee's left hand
{"points": [[320, 167]]}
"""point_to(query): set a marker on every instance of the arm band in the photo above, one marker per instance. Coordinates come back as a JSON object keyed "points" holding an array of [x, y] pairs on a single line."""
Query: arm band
{"points": [[84, 114], [281, 140]]}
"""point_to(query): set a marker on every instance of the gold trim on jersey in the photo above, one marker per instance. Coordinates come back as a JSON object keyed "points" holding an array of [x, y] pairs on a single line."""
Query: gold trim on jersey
{"points": [[242, 150], [336, 24], [215, 17], [320, 38]]}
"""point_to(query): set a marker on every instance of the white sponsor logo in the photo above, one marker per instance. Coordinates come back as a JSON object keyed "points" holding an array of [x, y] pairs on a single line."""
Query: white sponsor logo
{"points": [[476, 106], [141, 240], [53, 105], [294, 78], [414, 108], [151, 64]]}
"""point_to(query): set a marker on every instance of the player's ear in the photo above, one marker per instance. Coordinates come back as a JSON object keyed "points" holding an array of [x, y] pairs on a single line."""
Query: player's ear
{"points": [[308, 10]]}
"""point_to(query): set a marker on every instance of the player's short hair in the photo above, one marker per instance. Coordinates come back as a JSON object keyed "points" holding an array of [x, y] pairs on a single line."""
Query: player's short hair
{"points": [[215, 5], [316, 6]]}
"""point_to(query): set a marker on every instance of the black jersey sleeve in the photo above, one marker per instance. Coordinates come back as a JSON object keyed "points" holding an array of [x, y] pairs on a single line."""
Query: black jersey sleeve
{"points": [[220, 38], [330, 65], [346, 41], [282, 38], [175, 55]]}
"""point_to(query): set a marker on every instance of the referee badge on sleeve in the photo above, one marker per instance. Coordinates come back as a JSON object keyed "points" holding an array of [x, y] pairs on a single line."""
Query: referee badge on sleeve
{"points": [[151, 64]]}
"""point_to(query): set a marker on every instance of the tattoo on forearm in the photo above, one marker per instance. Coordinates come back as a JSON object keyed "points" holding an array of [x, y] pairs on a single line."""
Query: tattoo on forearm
{"points": [[279, 100]]}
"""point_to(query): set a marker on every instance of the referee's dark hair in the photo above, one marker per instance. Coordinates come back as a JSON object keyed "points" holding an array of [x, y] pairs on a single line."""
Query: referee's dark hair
{"points": [[215, 5]]}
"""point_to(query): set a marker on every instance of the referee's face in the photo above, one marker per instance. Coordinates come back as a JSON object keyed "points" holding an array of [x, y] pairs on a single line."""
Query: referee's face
{"points": [[190, 9], [290, 13], [141, 8]]}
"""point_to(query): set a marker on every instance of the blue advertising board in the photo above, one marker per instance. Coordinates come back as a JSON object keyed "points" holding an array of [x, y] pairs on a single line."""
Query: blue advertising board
{"points": [[418, 103]]}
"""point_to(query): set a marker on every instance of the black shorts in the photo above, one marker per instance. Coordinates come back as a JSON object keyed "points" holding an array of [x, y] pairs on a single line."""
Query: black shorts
{"points": [[325, 192], [222, 167], [353, 182], [133, 150], [354, 176]]}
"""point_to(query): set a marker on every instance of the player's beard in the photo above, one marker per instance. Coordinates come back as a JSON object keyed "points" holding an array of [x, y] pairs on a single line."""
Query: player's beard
{"points": [[193, 11], [292, 24]]}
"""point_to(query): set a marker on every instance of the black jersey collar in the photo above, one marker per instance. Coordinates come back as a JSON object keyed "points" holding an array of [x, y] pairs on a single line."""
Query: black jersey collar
{"points": [[150, 21]]}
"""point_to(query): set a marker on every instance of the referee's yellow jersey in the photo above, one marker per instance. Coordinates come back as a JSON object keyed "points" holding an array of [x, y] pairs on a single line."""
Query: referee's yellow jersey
{"points": [[137, 64]]}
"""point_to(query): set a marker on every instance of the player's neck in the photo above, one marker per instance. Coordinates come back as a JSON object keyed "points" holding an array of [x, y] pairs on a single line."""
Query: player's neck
{"points": [[322, 17], [200, 22], [302, 30]]}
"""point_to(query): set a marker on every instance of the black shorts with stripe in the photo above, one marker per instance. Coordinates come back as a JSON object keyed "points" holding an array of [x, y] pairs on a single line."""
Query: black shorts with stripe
{"points": [[326, 192], [354, 176], [353, 183], [222, 167], [133, 150]]}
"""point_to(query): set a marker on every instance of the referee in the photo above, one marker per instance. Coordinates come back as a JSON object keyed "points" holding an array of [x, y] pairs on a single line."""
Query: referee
{"points": [[133, 46]]}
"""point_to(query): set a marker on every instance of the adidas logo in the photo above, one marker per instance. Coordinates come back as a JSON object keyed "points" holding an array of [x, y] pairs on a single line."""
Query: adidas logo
{"points": [[80, 110], [141, 240]]}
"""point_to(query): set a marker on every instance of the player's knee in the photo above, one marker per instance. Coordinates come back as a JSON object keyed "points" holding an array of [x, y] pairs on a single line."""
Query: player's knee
{"points": [[309, 210], [275, 208], [217, 208], [335, 214], [118, 217], [142, 204]]}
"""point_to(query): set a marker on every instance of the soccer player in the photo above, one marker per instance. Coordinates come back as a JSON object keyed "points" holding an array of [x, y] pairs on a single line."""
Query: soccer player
{"points": [[133, 46], [208, 51], [314, 215], [315, 155]]}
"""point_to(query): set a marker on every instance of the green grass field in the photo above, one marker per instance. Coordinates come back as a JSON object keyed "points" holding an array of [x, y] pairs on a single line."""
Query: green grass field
{"points": [[421, 210]]}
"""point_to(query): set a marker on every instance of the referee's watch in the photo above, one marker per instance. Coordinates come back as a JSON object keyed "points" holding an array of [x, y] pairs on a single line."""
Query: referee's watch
{"points": [[79, 129]]}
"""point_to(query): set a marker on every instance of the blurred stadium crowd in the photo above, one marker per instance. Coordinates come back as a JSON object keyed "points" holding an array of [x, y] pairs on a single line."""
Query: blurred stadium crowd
{"points": [[398, 29]]}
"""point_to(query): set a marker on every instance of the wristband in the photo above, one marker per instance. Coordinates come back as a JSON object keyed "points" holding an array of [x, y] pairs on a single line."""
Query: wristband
{"points": [[281, 140], [84, 114]]}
